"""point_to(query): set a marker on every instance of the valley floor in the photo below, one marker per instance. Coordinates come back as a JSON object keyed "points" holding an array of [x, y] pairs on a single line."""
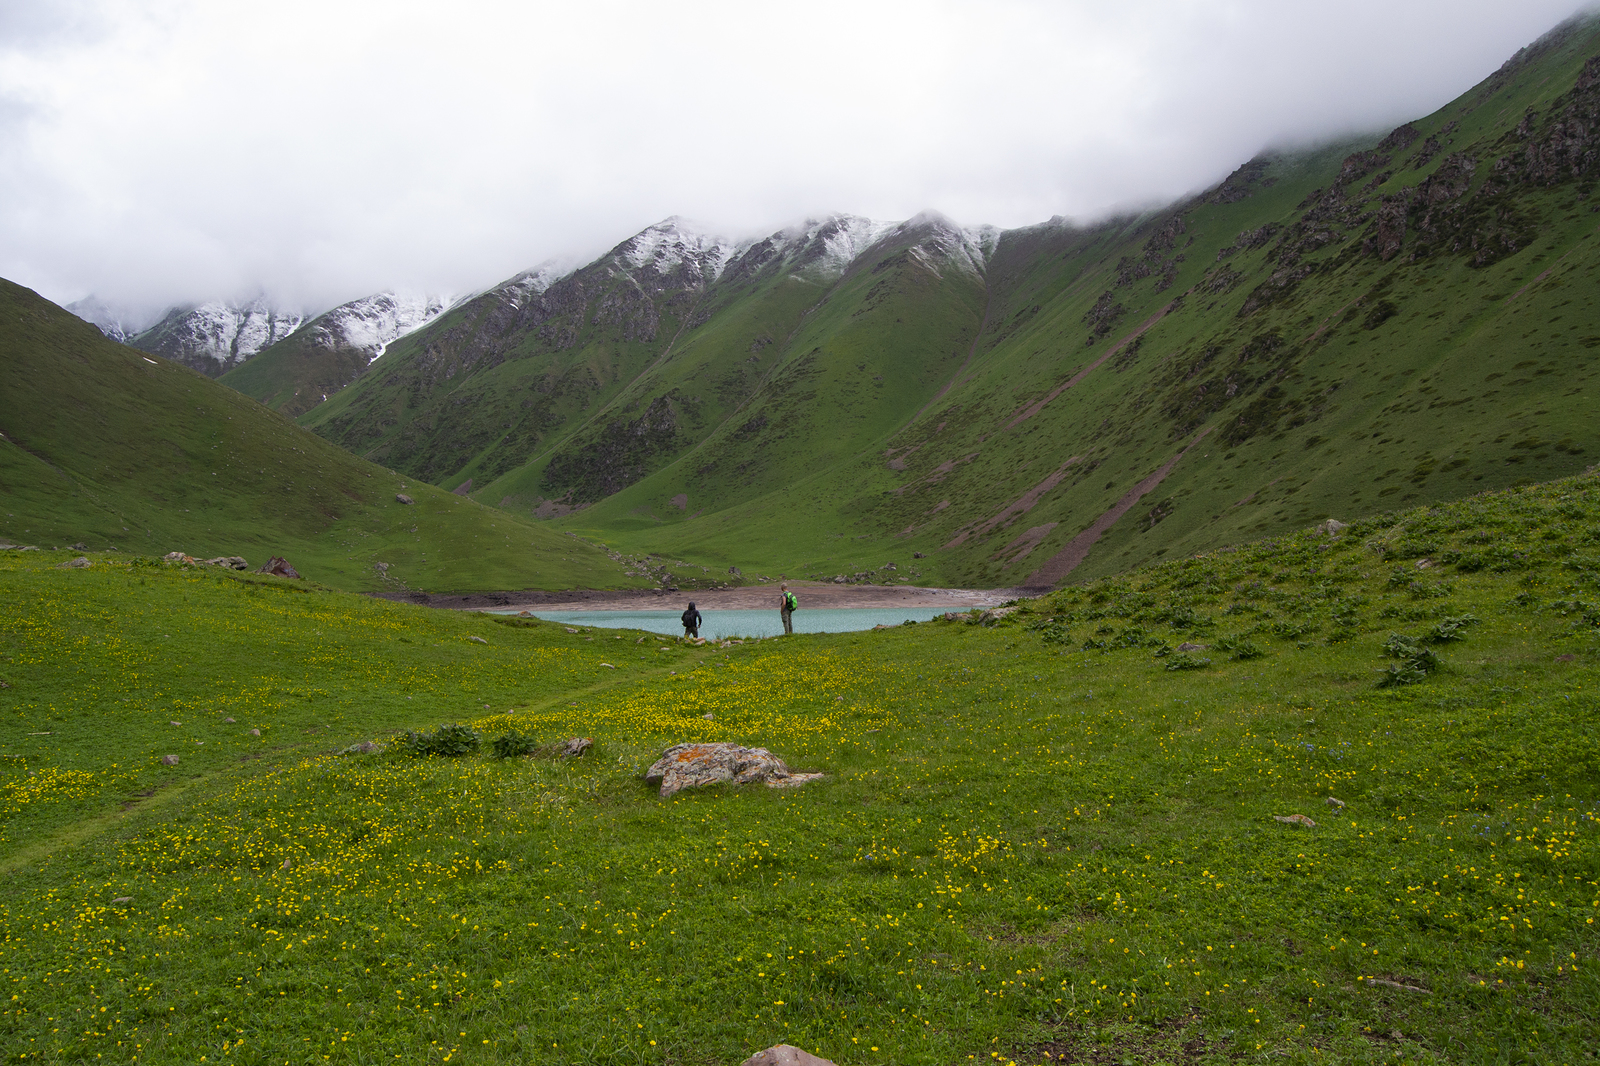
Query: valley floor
{"points": [[812, 596]]}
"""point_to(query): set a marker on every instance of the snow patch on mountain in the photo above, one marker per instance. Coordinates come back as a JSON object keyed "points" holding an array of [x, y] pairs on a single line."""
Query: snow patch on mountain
{"points": [[215, 337], [374, 322], [521, 287], [674, 242], [116, 321]]}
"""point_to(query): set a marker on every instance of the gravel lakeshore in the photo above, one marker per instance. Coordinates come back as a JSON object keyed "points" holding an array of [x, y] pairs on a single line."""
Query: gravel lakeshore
{"points": [[813, 595]]}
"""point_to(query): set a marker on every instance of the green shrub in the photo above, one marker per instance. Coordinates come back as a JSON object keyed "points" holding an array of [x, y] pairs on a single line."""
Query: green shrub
{"points": [[1185, 661], [449, 740], [513, 745]]}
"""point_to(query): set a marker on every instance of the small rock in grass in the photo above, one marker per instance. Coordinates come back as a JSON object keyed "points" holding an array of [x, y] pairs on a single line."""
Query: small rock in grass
{"points": [[366, 747], [573, 747], [709, 716], [285, 865], [1336, 804], [255, 732], [1192, 647], [784, 1055], [1295, 819], [608, 666], [480, 640], [569, 630], [401, 497], [76, 564], [175, 723], [169, 760], [123, 899], [227, 720]]}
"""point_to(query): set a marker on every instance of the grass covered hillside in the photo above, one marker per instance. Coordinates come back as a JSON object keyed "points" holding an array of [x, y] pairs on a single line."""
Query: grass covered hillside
{"points": [[104, 446], [1316, 799]]}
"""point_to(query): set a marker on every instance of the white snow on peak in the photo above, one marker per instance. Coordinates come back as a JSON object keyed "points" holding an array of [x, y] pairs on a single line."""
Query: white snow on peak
{"points": [[944, 242], [532, 282], [830, 245], [117, 321], [374, 322], [221, 332], [674, 241]]}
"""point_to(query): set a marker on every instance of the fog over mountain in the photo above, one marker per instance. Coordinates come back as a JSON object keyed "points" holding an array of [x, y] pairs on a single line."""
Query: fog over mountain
{"points": [[156, 152]]}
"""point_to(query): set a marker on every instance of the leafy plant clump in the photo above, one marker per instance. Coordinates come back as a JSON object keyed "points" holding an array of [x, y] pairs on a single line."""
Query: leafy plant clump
{"points": [[1415, 663], [1184, 661], [1450, 629], [451, 741], [513, 745]]}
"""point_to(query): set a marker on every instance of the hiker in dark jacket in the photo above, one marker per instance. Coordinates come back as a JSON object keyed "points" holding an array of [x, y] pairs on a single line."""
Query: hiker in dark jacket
{"points": [[786, 608], [691, 622]]}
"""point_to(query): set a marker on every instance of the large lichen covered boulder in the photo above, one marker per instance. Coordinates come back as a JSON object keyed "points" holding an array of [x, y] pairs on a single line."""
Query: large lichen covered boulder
{"points": [[694, 765]]}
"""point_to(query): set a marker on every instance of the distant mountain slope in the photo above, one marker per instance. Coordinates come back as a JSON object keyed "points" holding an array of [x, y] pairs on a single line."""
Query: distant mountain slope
{"points": [[104, 445], [294, 374], [215, 337], [1407, 317]]}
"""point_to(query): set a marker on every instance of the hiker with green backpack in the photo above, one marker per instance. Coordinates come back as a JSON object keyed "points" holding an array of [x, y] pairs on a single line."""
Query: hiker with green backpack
{"points": [[786, 608]]}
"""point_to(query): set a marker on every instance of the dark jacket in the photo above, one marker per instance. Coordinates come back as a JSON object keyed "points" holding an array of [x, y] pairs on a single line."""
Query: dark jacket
{"points": [[691, 619]]}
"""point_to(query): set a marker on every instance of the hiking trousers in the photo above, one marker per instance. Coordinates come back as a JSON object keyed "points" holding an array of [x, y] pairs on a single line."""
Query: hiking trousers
{"points": [[788, 622]]}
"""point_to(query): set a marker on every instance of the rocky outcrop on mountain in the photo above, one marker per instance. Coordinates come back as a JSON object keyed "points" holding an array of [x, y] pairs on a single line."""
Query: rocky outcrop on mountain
{"points": [[618, 457], [215, 337]]}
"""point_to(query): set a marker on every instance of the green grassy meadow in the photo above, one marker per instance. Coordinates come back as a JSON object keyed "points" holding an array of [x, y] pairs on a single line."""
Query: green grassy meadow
{"points": [[1050, 837]]}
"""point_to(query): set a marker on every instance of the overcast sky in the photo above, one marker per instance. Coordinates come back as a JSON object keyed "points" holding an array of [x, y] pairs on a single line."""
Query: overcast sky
{"points": [[156, 151]]}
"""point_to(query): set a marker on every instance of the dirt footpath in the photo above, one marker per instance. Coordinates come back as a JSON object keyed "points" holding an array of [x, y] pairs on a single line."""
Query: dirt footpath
{"points": [[812, 596]]}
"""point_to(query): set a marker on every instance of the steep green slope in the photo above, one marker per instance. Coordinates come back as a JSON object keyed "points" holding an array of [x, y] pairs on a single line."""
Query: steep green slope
{"points": [[1404, 318], [1359, 823], [107, 446]]}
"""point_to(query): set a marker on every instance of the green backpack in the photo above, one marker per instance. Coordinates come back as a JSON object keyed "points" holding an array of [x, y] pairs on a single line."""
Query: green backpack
{"points": [[789, 603]]}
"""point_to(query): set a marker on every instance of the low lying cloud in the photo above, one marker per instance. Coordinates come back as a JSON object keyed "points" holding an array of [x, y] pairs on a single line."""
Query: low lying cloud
{"points": [[154, 151]]}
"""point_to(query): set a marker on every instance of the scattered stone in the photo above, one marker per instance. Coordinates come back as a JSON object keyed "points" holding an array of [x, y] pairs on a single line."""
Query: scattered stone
{"points": [[1192, 647], [123, 899], [735, 571], [255, 732], [169, 760], [990, 617], [1336, 804], [278, 566], [569, 630], [285, 865], [178, 557], [232, 562], [709, 716], [573, 747], [1423, 564], [366, 747], [524, 614], [1332, 527], [919, 555], [75, 564], [608, 666], [480, 640], [839, 579], [784, 1055], [1295, 819], [175, 723], [80, 547], [227, 721], [694, 765], [401, 497], [838, 699], [1386, 983]]}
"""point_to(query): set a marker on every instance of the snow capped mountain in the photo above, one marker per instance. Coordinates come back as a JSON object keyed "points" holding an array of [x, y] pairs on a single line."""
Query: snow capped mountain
{"points": [[519, 288], [114, 320], [940, 241], [215, 337], [675, 243], [374, 322]]}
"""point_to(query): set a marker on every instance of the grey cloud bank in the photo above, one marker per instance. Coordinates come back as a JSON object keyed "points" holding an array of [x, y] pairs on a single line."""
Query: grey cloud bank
{"points": [[158, 151]]}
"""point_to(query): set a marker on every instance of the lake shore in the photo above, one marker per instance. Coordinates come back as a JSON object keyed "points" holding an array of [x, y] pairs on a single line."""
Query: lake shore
{"points": [[812, 595]]}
